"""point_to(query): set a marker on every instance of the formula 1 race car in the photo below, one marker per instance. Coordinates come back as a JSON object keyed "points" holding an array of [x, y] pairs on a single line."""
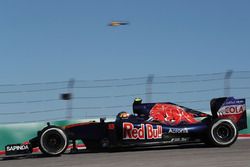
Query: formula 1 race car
{"points": [[150, 124]]}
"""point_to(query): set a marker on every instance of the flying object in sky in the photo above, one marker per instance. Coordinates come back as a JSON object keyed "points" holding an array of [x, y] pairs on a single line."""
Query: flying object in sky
{"points": [[118, 23]]}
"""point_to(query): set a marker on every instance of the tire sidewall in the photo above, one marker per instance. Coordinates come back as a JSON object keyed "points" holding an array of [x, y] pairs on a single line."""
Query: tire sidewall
{"points": [[213, 139], [63, 136]]}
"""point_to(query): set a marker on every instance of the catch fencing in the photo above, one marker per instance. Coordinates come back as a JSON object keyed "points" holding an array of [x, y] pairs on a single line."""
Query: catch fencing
{"points": [[84, 99]]}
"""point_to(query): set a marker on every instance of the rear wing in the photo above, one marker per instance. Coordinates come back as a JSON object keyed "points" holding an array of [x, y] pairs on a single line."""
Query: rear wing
{"points": [[231, 108]]}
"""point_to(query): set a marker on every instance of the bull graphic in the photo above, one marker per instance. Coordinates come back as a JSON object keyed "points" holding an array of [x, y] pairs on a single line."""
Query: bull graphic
{"points": [[170, 114]]}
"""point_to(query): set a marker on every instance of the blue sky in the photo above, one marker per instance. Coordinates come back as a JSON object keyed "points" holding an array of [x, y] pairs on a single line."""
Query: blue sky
{"points": [[54, 40]]}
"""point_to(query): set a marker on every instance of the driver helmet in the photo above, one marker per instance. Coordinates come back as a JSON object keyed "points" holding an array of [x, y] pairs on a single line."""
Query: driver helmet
{"points": [[137, 100]]}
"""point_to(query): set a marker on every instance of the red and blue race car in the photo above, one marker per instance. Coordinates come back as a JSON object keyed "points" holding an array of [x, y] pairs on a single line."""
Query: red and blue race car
{"points": [[150, 124]]}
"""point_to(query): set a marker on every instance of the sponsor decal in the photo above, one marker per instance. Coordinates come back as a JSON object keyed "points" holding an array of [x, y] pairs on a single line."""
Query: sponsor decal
{"points": [[17, 148], [129, 132], [178, 130], [235, 102], [179, 139], [111, 126], [144, 131], [232, 109], [154, 133], [171, 114]]}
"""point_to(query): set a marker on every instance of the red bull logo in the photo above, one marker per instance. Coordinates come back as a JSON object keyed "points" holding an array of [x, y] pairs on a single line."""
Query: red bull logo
{"points": [[145, 130], [171, 114], [154, 133]]}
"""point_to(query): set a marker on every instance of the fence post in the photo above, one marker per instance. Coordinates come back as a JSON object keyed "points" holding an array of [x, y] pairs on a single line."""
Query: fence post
{"points": [[227, 78], [70, 101], [149, 88], [69, 98]]}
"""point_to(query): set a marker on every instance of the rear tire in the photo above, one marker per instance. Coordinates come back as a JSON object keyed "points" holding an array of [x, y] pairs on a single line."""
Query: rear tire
{"points": [[222, 133], [53, 141]]}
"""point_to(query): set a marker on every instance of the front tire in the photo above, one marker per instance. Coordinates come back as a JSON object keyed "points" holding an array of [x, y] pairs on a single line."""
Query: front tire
{"points": [[222, 133], [53, 141]]}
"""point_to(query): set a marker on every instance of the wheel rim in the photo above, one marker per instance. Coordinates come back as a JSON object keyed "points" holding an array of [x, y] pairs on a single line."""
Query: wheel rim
{"points": [[224, 132], [53, 141]]}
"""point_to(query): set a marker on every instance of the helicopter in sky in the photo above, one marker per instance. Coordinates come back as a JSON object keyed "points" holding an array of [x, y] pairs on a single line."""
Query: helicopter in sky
{"points": [[118, 23]]}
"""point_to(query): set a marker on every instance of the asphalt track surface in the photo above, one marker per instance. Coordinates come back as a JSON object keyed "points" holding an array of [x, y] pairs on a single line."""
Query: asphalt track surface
{"points": [[238, 155]]}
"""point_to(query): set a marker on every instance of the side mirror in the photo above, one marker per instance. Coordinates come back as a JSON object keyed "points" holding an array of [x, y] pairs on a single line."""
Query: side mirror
{"points": [[102, 120]]}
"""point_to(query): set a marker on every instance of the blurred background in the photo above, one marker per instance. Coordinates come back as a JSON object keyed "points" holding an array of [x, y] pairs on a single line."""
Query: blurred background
{"points": [[90, 99], [186, 52]]}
